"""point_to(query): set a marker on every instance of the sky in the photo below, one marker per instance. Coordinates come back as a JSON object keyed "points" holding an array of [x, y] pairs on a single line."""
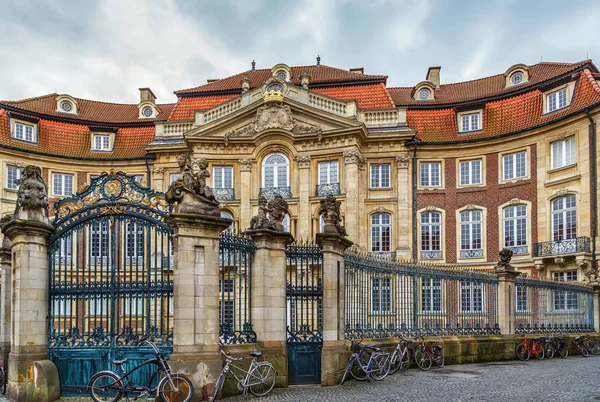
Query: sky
{"points": [[107, 49]]}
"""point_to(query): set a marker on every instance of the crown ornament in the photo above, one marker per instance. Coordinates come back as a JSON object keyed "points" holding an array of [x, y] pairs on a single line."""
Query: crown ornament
{"points": [[273, 96]]}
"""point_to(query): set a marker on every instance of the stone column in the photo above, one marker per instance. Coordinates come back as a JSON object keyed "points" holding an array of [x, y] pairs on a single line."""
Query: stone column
{"points": [[304, 215], [5, 300], [404, 217], [196, 298], [333, 358], [353, 160], [269, 305], [245, 193], [506, 300], [596, 306]]}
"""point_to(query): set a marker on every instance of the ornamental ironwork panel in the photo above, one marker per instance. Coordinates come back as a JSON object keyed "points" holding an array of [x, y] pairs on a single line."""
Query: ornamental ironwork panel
{"points": [[560, 247], [224, 193], [431, 254], [471, 253], [110, 283], [271, 192], [235, 287], [327, 189], [519, 250]]}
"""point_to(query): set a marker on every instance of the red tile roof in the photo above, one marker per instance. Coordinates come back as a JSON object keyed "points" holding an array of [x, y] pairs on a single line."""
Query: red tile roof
{"points": [[185, 107], [372, 96], [486, 87], [89, 110], [66, 139], [320, 75], [502, 116]]}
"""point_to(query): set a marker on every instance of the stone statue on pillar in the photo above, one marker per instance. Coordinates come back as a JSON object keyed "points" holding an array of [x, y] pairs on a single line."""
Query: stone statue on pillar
{"points": [[330, 210], [504, 262], [5, 240], [32, 196], [261, 220], [190, 191], [270, 215]]}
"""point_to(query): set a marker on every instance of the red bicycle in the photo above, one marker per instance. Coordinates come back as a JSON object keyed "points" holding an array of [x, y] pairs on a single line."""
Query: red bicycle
{"points": [[524, 352], [425, 354]]}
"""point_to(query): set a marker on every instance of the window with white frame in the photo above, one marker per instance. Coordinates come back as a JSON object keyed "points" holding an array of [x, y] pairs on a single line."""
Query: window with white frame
{"points": [[515, 228], [98, 307], [381, 230], [135, 242], [471, 297], [470, 234], [170, 308], [101, 142], [557, 100], [276, 171], [431, 235], [230, 228], [227, 311], [564, 218], [62, 184], [563, 153], [134, 306], [321, 224], [470, 172], [61, 307], [380, 175], [173, 177], [25, 132], [470, 122], [98, 242], [13, 173], [381, 295], [431, 295], [521, 298], [328, 172], [62, 255], [430, 174], [287, 227], [564, 299], [223, 177], [514, 166]]}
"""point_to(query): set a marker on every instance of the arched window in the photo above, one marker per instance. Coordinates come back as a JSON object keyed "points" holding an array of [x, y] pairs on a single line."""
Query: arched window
{"points": [[276, 173], [381, 233], [230, 229], [470, 234], [515, 228], [431, 235], [564, 218]]}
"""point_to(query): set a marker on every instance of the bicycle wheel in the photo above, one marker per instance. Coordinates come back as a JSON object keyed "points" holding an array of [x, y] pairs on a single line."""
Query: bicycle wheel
{"points": [[438, 356], [595, 350], [379, 367], [395, 362], [539, 351], [423, 359], [405, 357], [356, 370], [549, 350], [563, 351], [183, 392], [584, 351], [105, 387], [218, 385], [522, 352], [262, 379]]}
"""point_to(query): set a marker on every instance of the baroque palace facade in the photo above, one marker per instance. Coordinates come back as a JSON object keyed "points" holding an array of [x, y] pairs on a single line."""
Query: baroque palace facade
{"points": [[441, 173]]}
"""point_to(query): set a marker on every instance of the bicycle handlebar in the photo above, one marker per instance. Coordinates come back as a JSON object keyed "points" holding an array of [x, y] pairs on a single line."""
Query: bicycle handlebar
{"points": [[231, 357]]}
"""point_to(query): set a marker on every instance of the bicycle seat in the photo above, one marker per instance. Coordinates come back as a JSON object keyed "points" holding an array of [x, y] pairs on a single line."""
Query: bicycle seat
{"points": [[256, 354], [119, 362]]}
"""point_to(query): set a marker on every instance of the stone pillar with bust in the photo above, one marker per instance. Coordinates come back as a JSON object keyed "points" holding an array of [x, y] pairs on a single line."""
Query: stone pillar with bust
{"points": [[245, 192], [333, 242], [6, 294], [506, 292], [197, 225], [303, 231], [403, 216], [353, 161]]}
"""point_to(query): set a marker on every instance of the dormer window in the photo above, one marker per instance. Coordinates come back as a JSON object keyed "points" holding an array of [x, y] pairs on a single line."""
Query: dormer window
{"points": [[517, 78], [469, 121], [101, 142], [516, 75], [147, 111], [281, 72], [282, 75], [66, 106], [424, 94], [24, 131], [557, 100], [424, 91]]}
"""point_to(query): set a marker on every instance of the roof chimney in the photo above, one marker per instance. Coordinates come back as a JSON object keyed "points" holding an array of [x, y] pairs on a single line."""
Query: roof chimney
{"points": [[146, 94], [433, 75], [358, 70]]}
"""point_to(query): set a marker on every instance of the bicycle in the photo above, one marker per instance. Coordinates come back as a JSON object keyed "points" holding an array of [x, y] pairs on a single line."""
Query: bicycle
{"points": [[425, 355], [3, 378], [400, 359], [594, 348], [259, 379], [586, 346], [376, 367], [549, 348], [554, 344], [524, 352], [108, 386]]}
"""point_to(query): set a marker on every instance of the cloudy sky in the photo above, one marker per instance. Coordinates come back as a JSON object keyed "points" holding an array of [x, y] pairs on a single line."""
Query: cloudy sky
{"points": [[107, 49]]}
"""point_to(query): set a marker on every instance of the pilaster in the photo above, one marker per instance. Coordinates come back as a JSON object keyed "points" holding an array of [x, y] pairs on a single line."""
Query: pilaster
{"points": [[353, 160], [304, 215], [506, 300], [404, 194], [6, 301], [245, 193]]}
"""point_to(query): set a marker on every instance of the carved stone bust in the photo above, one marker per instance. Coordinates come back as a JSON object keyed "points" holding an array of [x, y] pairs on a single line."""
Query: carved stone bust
{"points": [[504, 262], [32, 196]]}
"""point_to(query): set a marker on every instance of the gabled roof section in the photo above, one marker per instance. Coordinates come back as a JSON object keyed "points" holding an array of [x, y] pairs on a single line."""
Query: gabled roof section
{"points": [[88, 110], [321, 74], [185, 107], [488, 87], [371, 96]]}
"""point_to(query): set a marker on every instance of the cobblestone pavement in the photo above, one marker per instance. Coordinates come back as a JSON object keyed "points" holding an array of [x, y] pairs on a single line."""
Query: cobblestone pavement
{"points": [[571, 379]]}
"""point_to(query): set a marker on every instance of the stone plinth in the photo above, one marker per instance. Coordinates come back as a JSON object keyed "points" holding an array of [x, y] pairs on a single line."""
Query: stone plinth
{"points": [[196, 298], [506, 300], [5, 302], [333, 358], [29, 335]]}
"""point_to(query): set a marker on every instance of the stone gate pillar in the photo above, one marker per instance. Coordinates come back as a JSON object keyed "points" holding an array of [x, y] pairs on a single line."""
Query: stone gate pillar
{"points": [[6, 299], [506, 293], [333, 358]]}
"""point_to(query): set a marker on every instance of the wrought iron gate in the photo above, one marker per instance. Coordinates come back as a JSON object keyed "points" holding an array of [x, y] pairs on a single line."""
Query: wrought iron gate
{"points": [[110, 280], [304, 292]]}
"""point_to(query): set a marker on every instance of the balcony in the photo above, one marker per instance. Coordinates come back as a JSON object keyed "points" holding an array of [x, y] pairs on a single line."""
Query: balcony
{"points": [[562, 247], [271, 192], [431, 254], [327, 189], [224, 193], [476, 253]]}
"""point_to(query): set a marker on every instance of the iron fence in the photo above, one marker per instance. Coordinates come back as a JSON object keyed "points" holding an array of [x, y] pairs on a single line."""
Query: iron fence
{"points": [[387, 298], [235, 284], [553, 307]]}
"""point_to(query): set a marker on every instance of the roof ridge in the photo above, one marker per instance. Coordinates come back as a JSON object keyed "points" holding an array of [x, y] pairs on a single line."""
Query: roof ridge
{"points": [[388, 94], [591, 79], [29, 99], [34, 98]]}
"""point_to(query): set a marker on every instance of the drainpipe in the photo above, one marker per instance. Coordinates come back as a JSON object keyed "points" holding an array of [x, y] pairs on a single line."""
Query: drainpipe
{"points": [[147, 169], [594, 184], [414, 196]]}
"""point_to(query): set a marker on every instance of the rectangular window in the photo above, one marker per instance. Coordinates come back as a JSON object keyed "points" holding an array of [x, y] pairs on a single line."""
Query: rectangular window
{"points": [[564, 299], [223, 177], [430, 174], [98, 307], [515, 228], [173, 177], [62, 184], [13, 174], [381, 233], [61, 307], [514, 166], [328, 172], [521, 298], [380, 176], [101, 142], [25, 132], [98, 242], [227, 311], [470, 172], [431, 295], [471, 296], [227, 285], [381, 295], [135, 242], [557, 100], [470, 122], [563, 153]]}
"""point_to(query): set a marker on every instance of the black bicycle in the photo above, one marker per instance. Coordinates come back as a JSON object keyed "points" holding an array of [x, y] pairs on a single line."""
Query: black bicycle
{"points": [[108, 386]]}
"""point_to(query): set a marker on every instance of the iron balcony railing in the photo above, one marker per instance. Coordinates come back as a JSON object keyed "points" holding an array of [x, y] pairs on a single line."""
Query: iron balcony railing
{"points": [[224, 193], [561, 247], [327, 189], [431, 254], [271, 192], [519, 250], [476, 253]]}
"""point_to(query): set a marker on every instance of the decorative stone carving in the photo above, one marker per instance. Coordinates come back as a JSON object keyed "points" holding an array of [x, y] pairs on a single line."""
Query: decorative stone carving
{"points": [[504, 262], [303, 161], [514, 201], [245, 164], [430, 208], [380, 209], [5, 240], [562, 192], [330, 209], [539, 267], [261, 220], [353, 156], [402, 161], [158, 172], [190, 191], [560, 261], [305, 79], [470, 206], [588, 270], [32, 196], [245, 82], [270, 215]]}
